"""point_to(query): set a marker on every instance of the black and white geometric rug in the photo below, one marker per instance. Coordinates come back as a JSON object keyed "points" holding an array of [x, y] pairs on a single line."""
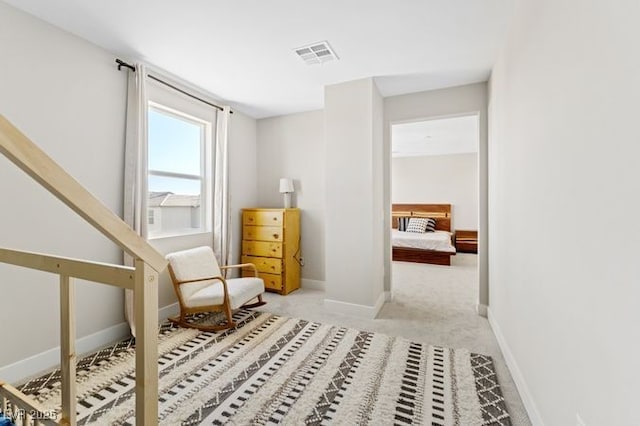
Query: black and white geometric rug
{"points": [[277, 370]]}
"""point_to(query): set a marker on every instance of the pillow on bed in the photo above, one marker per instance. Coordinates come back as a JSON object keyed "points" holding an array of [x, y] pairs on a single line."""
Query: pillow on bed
{"points": [[402, 223], [431, 225], [421, 225], [417, 225]]}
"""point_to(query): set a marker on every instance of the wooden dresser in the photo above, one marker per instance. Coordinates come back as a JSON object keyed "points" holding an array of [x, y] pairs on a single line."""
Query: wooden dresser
{"points": [[271, 241]]}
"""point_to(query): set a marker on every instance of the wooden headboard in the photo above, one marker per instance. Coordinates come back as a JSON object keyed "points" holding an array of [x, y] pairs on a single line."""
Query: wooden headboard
{"points": [[440, 212]]}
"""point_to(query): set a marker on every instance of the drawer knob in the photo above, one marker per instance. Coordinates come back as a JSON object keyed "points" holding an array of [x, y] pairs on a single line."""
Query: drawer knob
{"points": [[275, 235], [275, 218]]}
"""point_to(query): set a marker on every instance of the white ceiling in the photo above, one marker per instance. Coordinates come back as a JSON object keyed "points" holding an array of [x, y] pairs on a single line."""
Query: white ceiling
{"points": [[242, 51], [455, 135]]}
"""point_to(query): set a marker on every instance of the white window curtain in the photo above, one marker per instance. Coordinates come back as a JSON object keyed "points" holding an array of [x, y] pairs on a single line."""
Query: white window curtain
{"points": [[221, 211], [135, 171]]}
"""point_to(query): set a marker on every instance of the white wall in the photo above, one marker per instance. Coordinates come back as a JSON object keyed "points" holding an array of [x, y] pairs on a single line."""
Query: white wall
{"points": [[67, 95], [380, 262], [453, 101], [294, 146], [439, 179], [564, 189], [354, 210]]}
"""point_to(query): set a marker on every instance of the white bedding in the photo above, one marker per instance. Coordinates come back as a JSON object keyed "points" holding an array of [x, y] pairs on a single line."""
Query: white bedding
{"points": [[438, 240]]}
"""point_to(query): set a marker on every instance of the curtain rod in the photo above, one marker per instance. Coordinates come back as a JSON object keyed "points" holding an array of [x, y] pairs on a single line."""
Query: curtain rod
{"points": [[122, 63]]}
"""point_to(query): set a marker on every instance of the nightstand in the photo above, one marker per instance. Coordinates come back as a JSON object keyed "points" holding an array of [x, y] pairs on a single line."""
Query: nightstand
{"points": [[466, 241]]}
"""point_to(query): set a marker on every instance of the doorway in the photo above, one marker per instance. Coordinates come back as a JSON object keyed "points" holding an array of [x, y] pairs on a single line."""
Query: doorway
{"points": [[435, 176]]}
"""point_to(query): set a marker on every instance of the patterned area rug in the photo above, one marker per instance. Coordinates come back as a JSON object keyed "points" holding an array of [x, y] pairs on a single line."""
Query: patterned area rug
{"points": [[277, 370]]}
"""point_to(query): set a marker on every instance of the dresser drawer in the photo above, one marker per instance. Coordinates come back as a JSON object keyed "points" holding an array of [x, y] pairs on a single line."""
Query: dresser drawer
{"points": [[467, 247], [262, 218], [262, 248], [265, 264], [271, 281], [262, 233]]}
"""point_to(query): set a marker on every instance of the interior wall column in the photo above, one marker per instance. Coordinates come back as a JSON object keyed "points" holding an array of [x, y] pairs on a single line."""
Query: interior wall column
{"points": [[355, 262]]}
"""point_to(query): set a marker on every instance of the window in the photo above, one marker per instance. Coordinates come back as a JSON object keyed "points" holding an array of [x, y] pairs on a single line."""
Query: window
{"points": [[179, 167]]}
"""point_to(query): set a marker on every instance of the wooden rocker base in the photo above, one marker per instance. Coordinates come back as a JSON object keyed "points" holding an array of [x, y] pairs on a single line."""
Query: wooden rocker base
{"points": [[254, 305], [181, 320]]}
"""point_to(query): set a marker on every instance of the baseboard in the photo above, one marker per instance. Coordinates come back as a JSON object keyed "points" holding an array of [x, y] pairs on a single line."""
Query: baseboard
{"points": [[171, 310], [23, 369], [481, 309], [379, 303], [354, 309], [518, 378], [312, 284]]}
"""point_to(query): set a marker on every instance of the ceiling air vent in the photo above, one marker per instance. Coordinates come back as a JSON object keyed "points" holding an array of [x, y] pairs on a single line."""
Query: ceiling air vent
{"points": [[316, 53]]}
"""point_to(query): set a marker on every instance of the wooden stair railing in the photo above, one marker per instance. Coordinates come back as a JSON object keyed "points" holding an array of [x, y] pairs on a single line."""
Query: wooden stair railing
{"points": [[17, 406], [142, 279]]}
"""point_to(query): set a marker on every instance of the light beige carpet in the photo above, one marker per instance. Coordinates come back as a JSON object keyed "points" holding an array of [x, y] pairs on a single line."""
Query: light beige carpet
{"points": [[432, 304]]}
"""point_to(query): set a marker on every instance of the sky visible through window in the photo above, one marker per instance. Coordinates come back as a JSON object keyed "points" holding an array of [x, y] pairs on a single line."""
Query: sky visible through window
{"points": [[174, 146]]}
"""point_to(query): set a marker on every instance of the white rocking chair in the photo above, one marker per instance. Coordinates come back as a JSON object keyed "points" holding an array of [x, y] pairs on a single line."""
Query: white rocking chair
{"points": [[200, 285]]}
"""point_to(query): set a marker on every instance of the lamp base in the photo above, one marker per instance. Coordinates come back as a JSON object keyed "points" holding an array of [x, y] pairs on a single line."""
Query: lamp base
{"points": [[287, 200]]}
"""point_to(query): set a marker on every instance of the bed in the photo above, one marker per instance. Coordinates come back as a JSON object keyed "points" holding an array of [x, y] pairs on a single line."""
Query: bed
{"points": [[431, 247]]}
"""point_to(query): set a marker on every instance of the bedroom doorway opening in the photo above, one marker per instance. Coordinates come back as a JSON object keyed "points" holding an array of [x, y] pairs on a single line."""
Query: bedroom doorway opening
{"points": [[434, 194]]}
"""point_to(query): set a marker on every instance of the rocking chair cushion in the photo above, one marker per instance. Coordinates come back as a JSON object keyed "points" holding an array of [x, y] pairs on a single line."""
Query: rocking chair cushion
{"points": [[241, 290], [196, 265]]}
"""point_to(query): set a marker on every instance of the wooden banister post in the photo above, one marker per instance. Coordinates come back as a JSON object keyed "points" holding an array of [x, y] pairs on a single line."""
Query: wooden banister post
{"points": [[145, 301], [68, 349]]}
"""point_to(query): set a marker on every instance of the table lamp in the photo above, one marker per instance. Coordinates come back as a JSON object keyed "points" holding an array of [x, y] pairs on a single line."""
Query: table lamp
{"points": [[286, 188]]}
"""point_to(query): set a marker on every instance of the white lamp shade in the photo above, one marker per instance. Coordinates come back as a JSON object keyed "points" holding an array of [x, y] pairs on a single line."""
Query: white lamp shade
{"points": [[286, 185]]}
